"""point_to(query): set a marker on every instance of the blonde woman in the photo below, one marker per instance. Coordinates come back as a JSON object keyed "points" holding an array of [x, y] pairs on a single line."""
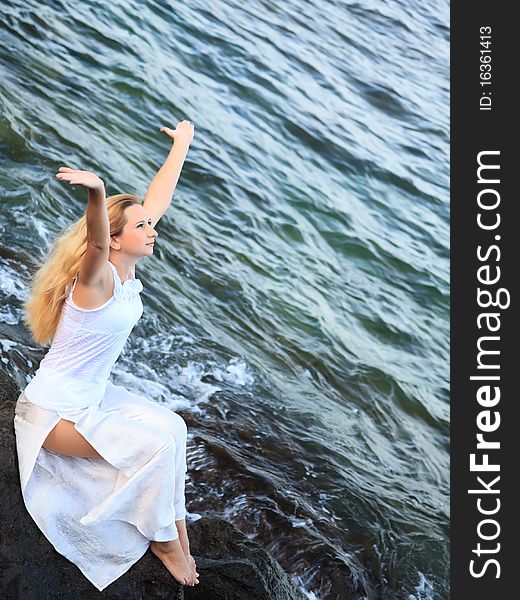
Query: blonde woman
{"points": [[102, 468]]}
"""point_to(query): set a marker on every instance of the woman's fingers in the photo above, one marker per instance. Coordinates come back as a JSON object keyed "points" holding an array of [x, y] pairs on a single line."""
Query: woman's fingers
{"points": [[68, 174], [183, 131], [180, 125], [85, 178], [70, 177], [68, 169]]}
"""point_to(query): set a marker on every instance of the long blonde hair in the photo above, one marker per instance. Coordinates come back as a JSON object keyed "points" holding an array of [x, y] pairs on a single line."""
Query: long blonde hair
{"points": [[52, 281]]}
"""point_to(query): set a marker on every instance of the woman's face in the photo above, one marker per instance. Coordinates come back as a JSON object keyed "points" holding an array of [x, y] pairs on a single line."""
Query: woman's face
{"points": [[137, 233]]}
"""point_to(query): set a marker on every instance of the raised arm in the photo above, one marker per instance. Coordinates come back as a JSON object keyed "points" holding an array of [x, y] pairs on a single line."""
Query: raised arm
{"points": [[93, 266], [160, 191]]}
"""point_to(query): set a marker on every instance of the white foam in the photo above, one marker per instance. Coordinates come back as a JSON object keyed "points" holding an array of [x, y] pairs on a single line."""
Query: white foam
{"points": [[236, 372], [424, 591]]}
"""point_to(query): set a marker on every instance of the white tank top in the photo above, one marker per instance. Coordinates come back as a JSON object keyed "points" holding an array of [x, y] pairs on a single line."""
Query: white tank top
{"points": [[74, 372]]}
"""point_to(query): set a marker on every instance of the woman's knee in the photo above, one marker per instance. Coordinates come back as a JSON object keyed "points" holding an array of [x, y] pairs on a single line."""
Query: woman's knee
{"points": [[177, 426], [166, 419]]}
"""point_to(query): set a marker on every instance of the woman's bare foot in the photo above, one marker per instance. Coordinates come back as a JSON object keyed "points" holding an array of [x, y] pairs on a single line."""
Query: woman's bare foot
{"points": [[191, 562], [185, 544], [173, 558]]}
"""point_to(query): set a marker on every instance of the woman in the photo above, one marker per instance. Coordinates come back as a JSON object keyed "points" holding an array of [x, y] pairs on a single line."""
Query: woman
{"points": [[102, 469]]}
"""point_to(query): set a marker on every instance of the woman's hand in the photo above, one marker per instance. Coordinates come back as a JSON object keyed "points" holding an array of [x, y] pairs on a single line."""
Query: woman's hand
{"points": [[183, 132], [86, 178]]}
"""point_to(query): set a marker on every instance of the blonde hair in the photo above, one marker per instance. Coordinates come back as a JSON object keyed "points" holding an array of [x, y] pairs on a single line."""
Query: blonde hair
{"points": [[52, 281]]}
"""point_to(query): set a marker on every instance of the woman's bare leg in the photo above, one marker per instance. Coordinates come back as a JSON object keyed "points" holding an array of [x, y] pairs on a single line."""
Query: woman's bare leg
{"points": [[183, 535], [185, 544], [65, 439], [173, 558]]}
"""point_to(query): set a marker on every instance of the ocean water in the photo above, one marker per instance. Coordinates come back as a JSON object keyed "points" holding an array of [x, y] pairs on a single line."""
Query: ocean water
{"points": [[297, 302]]}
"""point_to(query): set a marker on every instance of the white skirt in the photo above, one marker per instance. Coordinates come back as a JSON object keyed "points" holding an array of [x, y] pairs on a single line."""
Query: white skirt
{"points": [[102, 513]]}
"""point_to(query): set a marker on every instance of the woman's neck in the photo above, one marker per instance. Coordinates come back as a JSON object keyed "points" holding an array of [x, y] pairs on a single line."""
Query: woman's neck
{"points": [[124, 270]]}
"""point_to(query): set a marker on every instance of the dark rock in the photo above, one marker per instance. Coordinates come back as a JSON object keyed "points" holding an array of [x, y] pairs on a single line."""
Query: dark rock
{"points": [[233, 567], [230, 566]]}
